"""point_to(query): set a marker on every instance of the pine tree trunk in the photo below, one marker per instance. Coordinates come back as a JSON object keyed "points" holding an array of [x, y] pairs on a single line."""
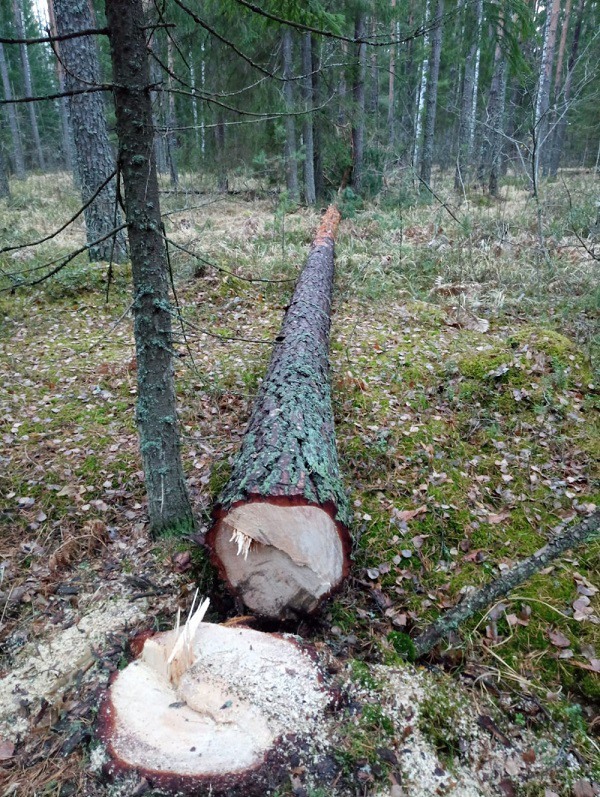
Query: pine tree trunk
{"points": [[280, 535], [373, 103], [222, 179], [561, 127], [168, 503], [358, 96], [540, 123], [157, 112], [171, 119], [95, 159], [4, 186], [67, 134], [307, 123], [432, 92], [491, 150], [35, 133], [317, 119], [17, 148], [468, 108], [391, 114], [290, 160]]}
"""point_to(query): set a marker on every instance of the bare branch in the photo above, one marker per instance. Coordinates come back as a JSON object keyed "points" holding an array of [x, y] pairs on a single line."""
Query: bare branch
{"points": [[64, 261], [65, 225], [220, 268], [61, 38], [59, 94], [330, 34]]}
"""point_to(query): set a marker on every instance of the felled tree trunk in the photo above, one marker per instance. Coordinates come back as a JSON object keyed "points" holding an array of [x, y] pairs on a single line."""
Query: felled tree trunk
{"points": [[280, 535]]}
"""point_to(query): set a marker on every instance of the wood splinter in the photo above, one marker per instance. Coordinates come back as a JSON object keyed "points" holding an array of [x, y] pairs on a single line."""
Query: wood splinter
{"points": [[280, 537]]}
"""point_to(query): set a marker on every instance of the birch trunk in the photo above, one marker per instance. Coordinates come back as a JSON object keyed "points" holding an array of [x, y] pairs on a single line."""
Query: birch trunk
{"points": [[421, 95], [168, 503]]}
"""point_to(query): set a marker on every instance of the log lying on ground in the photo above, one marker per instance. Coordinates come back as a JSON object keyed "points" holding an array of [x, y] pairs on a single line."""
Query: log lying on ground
{"points": [[209, 709], [280, 537], [571, 537]]}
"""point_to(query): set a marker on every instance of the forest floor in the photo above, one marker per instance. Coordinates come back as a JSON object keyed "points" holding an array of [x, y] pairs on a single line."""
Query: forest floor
{"points": [[466, 371]]}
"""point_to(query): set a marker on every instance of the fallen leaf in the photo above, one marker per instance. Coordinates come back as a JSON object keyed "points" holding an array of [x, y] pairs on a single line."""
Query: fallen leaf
{"points": [[408, 514], [499, 518], [558, 639], [583, 788], [529, 756], [7, 749]]}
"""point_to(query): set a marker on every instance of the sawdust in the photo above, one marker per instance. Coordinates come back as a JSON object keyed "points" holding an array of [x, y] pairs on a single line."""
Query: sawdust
{"points": [[44, 670]]}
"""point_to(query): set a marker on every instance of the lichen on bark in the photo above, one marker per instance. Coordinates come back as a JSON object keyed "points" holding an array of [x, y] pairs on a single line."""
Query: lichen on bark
{"points": [[289, 448]]}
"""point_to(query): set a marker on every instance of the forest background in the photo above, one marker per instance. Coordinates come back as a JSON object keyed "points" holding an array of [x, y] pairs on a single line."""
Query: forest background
{"points": [[461, 142]]}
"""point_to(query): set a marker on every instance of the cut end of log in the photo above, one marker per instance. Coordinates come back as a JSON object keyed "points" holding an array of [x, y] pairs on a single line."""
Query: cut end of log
{"points": [[281, 559], [215, 721]]}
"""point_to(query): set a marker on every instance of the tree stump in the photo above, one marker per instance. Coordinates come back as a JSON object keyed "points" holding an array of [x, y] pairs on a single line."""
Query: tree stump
{"points": [[210, 709], [280, 537]]}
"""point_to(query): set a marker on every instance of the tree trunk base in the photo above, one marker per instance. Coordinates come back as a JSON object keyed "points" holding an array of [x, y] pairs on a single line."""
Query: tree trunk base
{"points": [[283, 556]]}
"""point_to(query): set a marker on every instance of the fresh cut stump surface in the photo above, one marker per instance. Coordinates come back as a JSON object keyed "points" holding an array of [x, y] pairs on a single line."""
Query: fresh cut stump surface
{"points": [[280, 535]]}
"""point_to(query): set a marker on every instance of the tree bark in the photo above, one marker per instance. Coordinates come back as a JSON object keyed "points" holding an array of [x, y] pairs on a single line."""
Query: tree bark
{"points": [[67, 134], [95, 160], [307, 123], [222, 179], [467, 109], [391, 114], [171, 119], [561, 127], [491, 149], [317, 120], [420, 100], [284, 506], [17, 147], [358, 96], [483, 597], [168, 503], [290, 160], [35, 133], [432, 92], [4, 186], [157, 97], [542, 104]]}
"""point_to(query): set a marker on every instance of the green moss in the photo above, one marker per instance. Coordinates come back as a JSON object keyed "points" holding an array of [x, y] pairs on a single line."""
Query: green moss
{"points": [[440, 715], [402, 644], [219, 476], [478, 365]]}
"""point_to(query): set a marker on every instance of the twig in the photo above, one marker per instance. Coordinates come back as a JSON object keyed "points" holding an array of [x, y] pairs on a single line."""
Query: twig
{"points": [[66, 224], [220, 268], [483, 597]]}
